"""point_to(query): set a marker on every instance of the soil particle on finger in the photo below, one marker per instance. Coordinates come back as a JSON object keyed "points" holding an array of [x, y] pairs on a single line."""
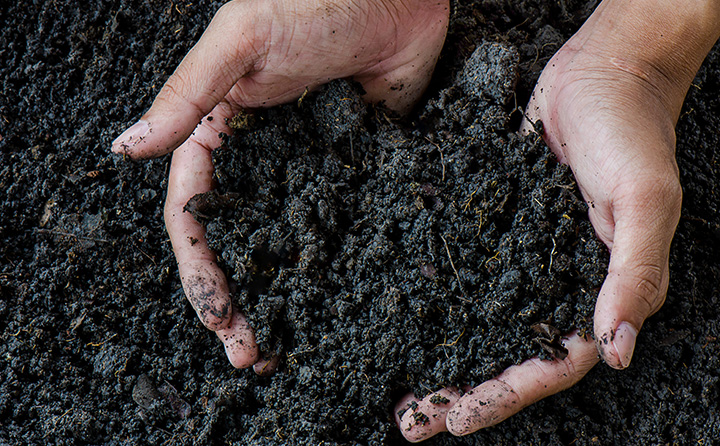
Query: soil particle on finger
{"points": [[207, 299], [439, 399]]}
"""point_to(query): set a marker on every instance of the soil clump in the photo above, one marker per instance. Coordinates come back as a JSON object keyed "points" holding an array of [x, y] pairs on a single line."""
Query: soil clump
{"points": [[375, 255], [375, 259]]}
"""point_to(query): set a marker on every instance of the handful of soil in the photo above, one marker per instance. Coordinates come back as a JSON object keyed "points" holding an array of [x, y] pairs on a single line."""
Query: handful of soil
{"points": [[378, 256]]}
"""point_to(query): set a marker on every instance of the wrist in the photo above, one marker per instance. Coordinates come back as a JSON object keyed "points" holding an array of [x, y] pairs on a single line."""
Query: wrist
{"points": [[661, 41]]}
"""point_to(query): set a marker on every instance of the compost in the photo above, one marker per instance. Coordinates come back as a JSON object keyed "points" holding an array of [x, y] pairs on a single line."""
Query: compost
{"points": [[375, 255]]}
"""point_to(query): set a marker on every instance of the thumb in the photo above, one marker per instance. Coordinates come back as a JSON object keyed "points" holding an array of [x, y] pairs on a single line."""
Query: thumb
{"points": [[638, 274], [220, 58]]}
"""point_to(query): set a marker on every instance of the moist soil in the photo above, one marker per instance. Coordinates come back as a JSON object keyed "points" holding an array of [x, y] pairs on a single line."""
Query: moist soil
{"points": [[374, 255]]}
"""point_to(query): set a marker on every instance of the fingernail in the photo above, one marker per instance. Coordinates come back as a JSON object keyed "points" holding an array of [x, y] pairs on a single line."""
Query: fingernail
{"points": [[131, 137], [266, 366], [624, 342]]}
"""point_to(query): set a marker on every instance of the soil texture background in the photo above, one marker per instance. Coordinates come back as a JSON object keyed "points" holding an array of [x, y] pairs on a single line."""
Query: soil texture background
{"points": [[375, 255]]}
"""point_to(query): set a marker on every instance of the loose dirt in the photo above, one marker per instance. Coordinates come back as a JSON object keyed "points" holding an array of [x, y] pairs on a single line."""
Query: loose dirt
{"points": [[375, 255]]}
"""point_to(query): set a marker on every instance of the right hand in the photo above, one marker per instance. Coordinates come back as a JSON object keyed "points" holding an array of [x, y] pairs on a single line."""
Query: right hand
{"points": [[609, 100], [258, 54]]}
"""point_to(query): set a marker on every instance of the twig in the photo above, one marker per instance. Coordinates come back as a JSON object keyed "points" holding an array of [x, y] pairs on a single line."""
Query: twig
{"points": [[98, 344], [447, 249], [453, 342], [145, 254], [67, 234], [469, 199]]}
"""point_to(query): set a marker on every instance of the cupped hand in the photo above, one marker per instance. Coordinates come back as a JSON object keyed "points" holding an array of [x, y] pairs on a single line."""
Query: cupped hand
{"points": [[608, 101], [465, 411], [256, 54]]}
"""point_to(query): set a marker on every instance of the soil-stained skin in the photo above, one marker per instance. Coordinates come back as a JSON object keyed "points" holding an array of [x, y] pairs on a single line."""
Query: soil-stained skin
{"points": [[420, 420], [212, 305], [240, 347], [487, 406]]}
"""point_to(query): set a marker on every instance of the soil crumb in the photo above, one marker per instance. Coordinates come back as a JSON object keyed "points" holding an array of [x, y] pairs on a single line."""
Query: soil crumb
{"points": [[378, 255], [399, 240]]}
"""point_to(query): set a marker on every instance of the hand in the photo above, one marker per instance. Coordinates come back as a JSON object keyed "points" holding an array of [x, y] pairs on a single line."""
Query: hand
{"points": [[608, 101], [466, 411], [259, 54]]}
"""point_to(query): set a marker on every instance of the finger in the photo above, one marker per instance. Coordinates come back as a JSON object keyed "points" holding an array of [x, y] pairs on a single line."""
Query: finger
{"points": [[239, 341], [223, 55], [638, 274], [421, 419], [267, 366], [519, 386], [203, 281]]}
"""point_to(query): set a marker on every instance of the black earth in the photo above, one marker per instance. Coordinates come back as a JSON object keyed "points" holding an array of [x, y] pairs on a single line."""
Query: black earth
{"points": [[375, 255]]}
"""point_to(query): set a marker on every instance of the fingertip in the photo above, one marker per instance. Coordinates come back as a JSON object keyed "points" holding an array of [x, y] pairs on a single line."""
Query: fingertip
{"points": [[455, 424], [458, 423], [267, 366], [419, 420], [617, 346], [160, 131], [239, 342], [206, 289], [625, 339], [128, 140], [486, 405], [239, 358]]}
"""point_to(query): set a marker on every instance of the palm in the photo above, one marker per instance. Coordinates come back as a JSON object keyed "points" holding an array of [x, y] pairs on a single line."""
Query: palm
{"points": [[607, 121], [390, 51]]}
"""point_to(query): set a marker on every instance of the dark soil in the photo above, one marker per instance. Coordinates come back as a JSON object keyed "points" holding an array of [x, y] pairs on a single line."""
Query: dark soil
{"points": [[375, 255]]}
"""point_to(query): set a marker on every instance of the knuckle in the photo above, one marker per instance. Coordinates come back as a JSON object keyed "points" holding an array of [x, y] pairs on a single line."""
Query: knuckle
{"points": [[648, 287], [169, 214], [176, 93], [173, 212], [670, 192], [242, 15], [664, 194], [176, 87], [207, 137], [169, 210], [231, 9], [571, 372]]}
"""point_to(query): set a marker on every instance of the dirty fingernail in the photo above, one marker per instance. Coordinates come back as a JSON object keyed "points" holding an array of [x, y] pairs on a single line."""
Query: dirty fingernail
{"points": [[266, 366], [624, 342], [131, 137]]}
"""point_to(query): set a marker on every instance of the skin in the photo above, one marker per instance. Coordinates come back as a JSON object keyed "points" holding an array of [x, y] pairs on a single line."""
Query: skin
{"points": [[389, 47], [497, 399], [609, 101]]}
